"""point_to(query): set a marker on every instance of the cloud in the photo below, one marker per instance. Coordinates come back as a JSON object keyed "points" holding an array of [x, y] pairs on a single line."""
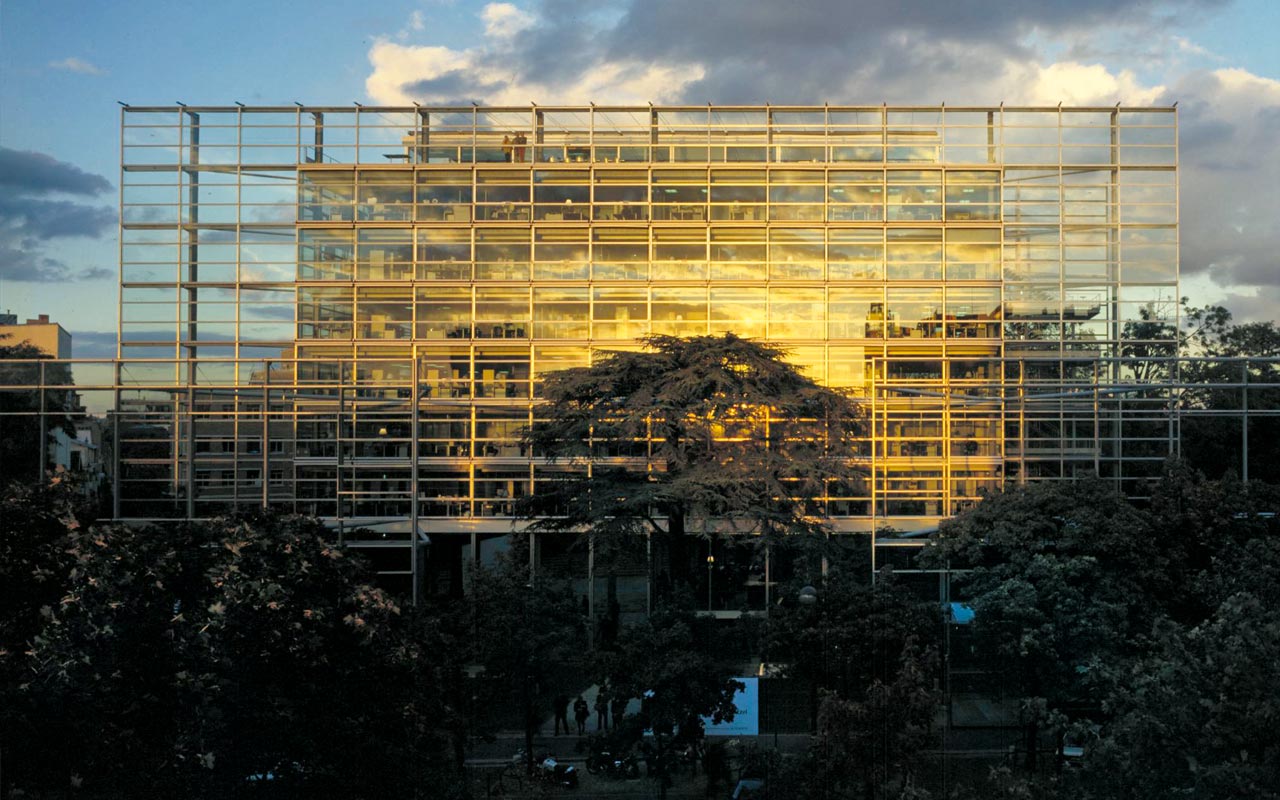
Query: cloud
{"points": [[41, 220], [503, 20], [1072, 83], [1045, 52], [78, 65], [94, 344], [29, 265], [1230, 174], [29, 171], [35, 210], [404, 74], [852, 51]]}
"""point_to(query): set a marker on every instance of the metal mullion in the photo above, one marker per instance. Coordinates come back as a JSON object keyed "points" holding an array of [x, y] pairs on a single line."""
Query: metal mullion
{"points": [[191, 449], [265, 443], [414, 510]]}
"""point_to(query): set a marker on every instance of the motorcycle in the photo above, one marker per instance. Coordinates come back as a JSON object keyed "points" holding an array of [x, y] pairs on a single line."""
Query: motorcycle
{"points": [[550, 771], [623, 766]]}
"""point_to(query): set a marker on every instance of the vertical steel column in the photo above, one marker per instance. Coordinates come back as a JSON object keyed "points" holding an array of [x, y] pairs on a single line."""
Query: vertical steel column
{"points": [[116, 370], [337, 444], [265, 469], [875, 456], [191, 169], [1022, 423], [415, 566], [1244, 423], [42, 459], [191, 451], [591, 591], [1097, 426]]}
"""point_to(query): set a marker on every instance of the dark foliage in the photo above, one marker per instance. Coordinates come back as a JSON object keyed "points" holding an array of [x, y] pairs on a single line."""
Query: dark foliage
{"points": [[689, 436], [243, 655]]}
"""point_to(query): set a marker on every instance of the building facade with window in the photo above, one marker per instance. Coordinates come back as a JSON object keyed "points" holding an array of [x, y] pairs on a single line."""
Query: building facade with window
{"points": [[344, 311]]}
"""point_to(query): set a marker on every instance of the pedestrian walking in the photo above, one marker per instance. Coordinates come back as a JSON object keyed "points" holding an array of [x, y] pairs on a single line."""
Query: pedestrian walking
{"points": [[618, 708], [580, 714], [602, 708], [561, 706]]}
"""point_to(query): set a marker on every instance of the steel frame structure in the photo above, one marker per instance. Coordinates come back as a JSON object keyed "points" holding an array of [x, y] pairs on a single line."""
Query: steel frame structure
{"points": [[345, 310]]}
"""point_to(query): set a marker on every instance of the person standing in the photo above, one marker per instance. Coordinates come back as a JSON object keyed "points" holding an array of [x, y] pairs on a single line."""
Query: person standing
{"points": [[580, 714], [520, 141], [561, 706], [602, 708], [508, 147], [618, 709]]}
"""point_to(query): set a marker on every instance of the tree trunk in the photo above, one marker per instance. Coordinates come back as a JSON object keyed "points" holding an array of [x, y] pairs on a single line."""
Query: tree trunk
{"points": [[1032, 744], [661, 761], [529, 723]]}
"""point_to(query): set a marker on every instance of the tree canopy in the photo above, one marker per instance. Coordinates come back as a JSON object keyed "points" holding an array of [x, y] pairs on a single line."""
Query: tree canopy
{"points": [[1150, 626], [1238, 353], [1060, 577], [870, 651], [1196, 717], [22, 458], [529, 637], [195, 659], [669, 663], [700, 435]]}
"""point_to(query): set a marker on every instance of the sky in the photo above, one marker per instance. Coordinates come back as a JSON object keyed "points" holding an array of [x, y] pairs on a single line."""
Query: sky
{"points": [[64, 65]]}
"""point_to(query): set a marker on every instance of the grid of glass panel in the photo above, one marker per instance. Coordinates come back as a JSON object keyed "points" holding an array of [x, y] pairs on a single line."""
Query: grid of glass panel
{"points": [[974, 274]]}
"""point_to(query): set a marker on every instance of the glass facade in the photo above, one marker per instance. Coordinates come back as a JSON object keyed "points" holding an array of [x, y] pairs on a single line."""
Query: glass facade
{"points": [[345, 311]]}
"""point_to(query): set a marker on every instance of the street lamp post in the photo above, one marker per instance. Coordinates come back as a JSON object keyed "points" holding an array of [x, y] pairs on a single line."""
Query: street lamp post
{"points": [[711, 562], [808, 596]]}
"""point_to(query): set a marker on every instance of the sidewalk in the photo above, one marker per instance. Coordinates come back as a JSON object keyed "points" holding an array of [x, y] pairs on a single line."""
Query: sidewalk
{"points": [[565, 746]]}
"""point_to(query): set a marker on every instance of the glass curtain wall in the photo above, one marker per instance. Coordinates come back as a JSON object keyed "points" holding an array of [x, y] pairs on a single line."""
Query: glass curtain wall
{"points": [[346, 311]]}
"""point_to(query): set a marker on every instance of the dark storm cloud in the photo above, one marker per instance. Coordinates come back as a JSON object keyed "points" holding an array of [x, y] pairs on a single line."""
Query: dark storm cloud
{"points": [[759, 50], [29, 172], [457, 84], [932, 51], [27, 265], [709, 30], [566, 42], [753, 51], [33, 212], [1229, 170], [40, 220]]}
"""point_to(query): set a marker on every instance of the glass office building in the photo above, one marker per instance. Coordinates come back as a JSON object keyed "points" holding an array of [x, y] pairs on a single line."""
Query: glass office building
{"points": [[344, 311]]}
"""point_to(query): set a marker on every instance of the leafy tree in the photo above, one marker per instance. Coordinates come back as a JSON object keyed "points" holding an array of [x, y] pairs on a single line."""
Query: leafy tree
{"points": [[529, 637], [1197, 717], [854, 634], [1213, 444], [1218, 537], [872, 741], [867, 650], [38, 523], [204, 660], [668, 663], [1060, 577], [22, 456], [688, 436], [1146, 345]]}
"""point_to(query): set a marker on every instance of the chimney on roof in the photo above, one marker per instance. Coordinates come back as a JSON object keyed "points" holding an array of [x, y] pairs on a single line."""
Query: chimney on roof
{"points": [[43, 319]]}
